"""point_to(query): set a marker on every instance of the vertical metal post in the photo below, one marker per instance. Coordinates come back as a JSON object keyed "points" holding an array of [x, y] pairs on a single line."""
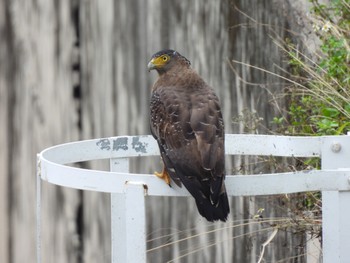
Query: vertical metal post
{"points": [[38, 210], [118, 220], [128, 220], [335, 211], [135, 222]]}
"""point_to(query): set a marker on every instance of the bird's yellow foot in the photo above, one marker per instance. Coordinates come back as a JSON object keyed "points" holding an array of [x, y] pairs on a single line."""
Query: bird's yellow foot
{"points": [[164, 176]]}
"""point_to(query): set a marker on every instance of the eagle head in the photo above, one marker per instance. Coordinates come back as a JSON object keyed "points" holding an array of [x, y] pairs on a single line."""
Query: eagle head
{"points": [[163, 60]]}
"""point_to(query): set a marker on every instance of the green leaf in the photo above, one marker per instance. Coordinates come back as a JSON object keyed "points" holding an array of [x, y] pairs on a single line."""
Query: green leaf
{"points": [[347, 108], [330, 112], [340, 130]]}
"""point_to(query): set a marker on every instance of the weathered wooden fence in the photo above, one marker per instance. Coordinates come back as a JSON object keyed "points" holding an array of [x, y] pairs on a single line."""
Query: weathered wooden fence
{"points": [[74, 70], [128, 191]]}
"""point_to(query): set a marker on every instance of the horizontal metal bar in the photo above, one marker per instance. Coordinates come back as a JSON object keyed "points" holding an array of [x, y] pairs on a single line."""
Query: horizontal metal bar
{"points": [[97, 149], [53, 170], [285, 183], [238, 185], [266, 145], [131, 146]]}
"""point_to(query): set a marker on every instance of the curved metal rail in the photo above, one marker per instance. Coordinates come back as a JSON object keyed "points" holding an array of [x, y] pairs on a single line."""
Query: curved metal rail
{"points": [[129, 190]]}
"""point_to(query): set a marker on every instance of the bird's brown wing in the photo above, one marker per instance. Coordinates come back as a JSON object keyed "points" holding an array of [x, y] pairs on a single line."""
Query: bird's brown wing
{"points": [[164, 123], [207, 123]]}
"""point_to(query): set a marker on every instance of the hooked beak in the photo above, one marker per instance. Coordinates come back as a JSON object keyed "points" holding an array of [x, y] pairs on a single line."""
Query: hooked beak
{"points": [[151, 65]]}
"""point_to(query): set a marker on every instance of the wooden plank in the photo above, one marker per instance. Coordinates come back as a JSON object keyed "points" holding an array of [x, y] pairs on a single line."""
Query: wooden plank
{"points": [[116, 38], [42, 113], [5, 81], [99, 117]]}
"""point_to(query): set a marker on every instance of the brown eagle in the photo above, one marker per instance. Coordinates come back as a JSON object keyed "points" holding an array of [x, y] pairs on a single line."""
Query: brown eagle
{"points": [[186, 121]]}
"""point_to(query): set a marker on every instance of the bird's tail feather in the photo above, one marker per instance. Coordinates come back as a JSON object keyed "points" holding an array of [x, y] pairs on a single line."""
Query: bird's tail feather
{"points": [[210, 205], [212, 212]]}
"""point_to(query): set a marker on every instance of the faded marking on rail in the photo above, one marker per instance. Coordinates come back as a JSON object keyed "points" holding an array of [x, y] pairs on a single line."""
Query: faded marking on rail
{"points": [[104, 144], [120, 144], [139, 146]]}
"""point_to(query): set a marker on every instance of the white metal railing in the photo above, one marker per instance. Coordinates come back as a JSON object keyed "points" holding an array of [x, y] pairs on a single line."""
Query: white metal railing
{"points": [[128, 190]]}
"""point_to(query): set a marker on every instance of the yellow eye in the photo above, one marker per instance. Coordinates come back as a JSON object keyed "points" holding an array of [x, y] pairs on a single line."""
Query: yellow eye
{"points": [[165, 58]]}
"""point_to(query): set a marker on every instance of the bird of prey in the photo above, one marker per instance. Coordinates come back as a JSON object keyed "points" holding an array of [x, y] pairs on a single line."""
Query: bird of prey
{"points": [[186, 121]]}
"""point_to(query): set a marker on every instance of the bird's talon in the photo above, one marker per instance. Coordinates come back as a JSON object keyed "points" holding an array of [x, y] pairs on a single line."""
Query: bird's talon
{"points": [[164, 176]]}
